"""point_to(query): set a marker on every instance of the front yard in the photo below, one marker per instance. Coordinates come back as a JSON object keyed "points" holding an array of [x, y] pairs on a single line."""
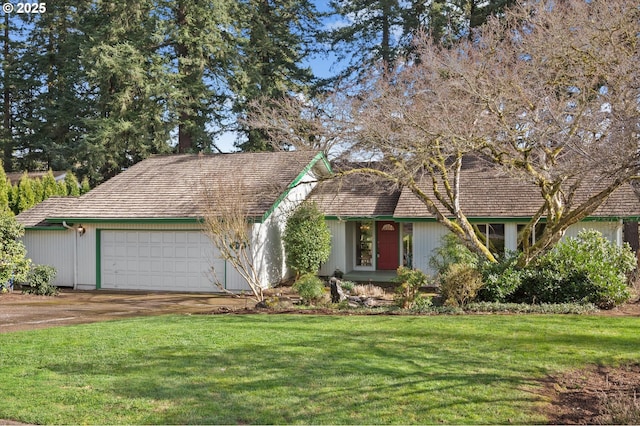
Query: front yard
{"points": [[302, 369]]}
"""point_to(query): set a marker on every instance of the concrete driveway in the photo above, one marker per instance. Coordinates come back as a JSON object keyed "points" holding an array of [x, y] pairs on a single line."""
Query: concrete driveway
{"points": [[24, 312]]}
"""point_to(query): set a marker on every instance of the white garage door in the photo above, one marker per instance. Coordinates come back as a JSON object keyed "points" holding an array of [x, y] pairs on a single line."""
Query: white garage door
{"points": [[158, 260]]}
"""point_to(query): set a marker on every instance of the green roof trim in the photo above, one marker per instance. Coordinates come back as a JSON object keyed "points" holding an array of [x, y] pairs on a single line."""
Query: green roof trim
{"points": [[125, 220], [45, 228], [355, 218], [319, 156]]}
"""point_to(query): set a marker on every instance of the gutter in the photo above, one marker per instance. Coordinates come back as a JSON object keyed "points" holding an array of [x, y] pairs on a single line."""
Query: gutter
{"points": [[75, 253]]}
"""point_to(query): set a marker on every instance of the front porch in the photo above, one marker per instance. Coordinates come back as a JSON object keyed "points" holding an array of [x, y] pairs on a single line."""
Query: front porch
{"points": [[366, 277]]}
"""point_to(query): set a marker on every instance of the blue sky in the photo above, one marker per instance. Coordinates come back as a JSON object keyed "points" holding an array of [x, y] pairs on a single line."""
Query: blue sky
{"points": [[323, 66]]}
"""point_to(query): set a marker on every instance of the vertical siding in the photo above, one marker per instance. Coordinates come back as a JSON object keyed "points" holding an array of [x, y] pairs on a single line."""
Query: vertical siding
{"points": [[610, 230], [269, 255], [53, 248], [510, 237], [338, 246], [427, 236]]}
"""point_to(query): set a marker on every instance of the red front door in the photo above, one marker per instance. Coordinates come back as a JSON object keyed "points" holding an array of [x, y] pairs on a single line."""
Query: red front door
{"points": [[388, 237]]}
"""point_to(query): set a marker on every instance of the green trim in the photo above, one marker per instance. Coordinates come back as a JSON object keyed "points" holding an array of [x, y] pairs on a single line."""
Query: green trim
{"points": [[516, 219], [74, 220], [45, 228], [358, 218], [98, 259], [319, 156]]}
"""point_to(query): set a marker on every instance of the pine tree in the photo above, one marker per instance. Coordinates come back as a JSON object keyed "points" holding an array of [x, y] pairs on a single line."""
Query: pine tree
{"points": [[381, 32], [26, 194], [49, 186], [73, 187], [278, 37], [85, 186], [5, 188], [131, 87], [202, 43], [54, 103]]}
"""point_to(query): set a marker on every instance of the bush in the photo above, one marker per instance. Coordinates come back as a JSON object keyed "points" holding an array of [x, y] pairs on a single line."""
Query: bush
{"points": [[39, 281], [585, 269], [310, 288], [14, 264], [410, 281], [307, 240], [460, 284], [422, 304], [347, 285], [452, 251], [500, 280]]}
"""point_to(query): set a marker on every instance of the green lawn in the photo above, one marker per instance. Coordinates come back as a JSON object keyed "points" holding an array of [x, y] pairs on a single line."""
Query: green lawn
{"points": [[301, 369]]}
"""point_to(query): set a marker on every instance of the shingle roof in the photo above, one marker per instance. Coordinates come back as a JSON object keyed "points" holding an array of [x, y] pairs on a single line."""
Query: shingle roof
{"points": [[489, 193], [356, 196], [53, 206], [172, 186]]}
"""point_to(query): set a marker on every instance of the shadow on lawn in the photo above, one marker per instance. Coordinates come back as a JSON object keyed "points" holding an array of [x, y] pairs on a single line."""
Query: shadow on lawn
{"points": [[345, 372]]}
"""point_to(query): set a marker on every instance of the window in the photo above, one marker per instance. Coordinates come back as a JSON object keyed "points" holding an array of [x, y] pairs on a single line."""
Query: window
{"points": [[492, 236], [535, 234], [364, 243], [407, 245]]}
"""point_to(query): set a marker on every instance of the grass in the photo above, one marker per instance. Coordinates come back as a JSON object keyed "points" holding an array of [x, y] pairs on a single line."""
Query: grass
{"points": [[301, 369]]}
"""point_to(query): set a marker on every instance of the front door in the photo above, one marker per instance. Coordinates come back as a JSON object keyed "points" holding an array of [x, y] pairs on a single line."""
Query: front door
{"points": [[388, 238]]}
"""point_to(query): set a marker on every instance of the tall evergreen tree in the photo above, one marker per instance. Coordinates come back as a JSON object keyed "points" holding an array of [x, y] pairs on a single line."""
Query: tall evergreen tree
{"points": [[49, 119], [377, 33], [128, 88], [199, 44], [5, 188], [276, 37]]}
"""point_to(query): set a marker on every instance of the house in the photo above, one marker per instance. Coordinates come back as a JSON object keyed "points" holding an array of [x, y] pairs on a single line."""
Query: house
{"points": [[376, 227], [142, 229], [14, 177]]}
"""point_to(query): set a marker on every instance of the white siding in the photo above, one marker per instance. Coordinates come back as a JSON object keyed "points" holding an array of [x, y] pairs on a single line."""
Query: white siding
{"points": [[54, 248], [267, 242], [269, 255], [427, 236], [610, 230], [338, 256]]}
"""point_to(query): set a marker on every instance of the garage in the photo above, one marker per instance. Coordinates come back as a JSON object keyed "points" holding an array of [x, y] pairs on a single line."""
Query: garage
{"points": [[158, 260]]}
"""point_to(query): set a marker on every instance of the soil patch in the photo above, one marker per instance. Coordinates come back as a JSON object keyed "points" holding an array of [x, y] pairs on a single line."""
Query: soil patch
{"points": [[596, 395]]}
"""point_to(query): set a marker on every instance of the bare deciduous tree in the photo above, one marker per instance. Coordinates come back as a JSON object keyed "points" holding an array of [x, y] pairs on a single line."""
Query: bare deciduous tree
{"points": [[226, 222], [548, 93]]}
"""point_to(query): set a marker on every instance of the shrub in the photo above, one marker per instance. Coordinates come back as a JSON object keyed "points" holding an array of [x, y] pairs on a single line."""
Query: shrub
{"points": [[460, 284], [586, 269], [307, 240], [410, 281], [422, 304], [451, 251], [14, 265], [39, 281], [347, 285], [310, 288], [500, 280]]}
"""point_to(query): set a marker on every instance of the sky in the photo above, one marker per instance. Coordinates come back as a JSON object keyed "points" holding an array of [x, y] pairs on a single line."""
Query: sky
{"points": [[322, 66]]}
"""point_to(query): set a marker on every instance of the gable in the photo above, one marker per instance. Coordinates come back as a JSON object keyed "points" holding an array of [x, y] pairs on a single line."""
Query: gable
{"points": [[171, 187]]}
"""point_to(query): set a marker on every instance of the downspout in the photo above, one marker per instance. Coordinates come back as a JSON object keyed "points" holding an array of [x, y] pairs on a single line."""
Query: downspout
{"points": [[75, 254]]}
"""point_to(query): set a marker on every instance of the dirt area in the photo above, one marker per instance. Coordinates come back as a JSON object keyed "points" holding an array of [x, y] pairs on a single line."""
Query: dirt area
{"points": [[596, 395], [23, 312]]}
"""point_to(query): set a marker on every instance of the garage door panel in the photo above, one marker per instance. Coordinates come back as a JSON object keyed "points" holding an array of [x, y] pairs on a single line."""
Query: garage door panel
{"points": [[158, 260]]}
